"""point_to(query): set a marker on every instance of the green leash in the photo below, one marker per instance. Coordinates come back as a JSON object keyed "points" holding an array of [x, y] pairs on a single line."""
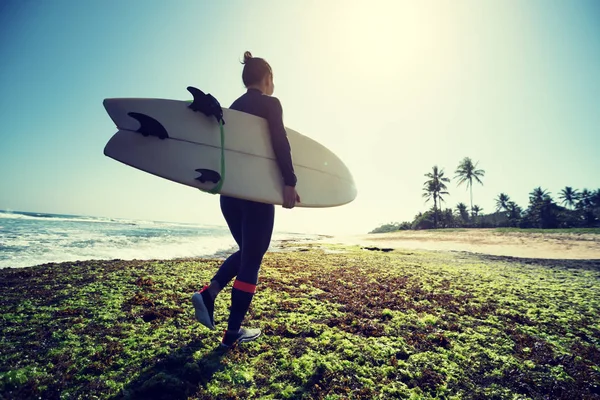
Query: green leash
{"points": [[219, 185]]}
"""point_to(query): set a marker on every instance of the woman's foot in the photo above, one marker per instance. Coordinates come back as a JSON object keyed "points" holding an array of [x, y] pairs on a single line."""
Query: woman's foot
{"points": [[204, 305], [231, 339]]}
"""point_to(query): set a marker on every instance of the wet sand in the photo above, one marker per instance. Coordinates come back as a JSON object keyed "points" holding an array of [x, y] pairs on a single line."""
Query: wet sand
{"points": [[485, 241]]}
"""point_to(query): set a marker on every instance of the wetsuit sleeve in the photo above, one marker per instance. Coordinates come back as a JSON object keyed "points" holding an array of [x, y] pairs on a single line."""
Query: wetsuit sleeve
{"points": [[279, 140]]}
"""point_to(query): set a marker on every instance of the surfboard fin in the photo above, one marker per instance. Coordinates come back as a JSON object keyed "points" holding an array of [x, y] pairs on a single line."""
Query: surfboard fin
{"points": [[208, 175], [149, 126], [206, 104]]}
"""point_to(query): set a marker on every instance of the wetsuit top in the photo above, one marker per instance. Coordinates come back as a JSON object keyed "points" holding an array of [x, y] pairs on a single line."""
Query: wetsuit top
{"points": [[256, 103]]}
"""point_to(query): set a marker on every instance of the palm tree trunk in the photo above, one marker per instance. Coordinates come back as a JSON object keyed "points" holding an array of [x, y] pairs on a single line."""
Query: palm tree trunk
{"points": [[434, 211], [471, 189]]}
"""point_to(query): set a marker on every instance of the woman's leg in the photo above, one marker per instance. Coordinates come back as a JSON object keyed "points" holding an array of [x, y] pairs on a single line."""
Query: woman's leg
{"points": [[204, 300], [257, 229], [233, 212]]}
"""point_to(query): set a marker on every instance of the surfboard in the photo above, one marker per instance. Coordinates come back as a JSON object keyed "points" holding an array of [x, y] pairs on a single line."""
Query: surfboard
{"points": [[168, 139]]}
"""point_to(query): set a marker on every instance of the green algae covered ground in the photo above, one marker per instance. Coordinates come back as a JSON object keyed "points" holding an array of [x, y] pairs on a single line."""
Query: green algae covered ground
{"points": [[352, 325]]}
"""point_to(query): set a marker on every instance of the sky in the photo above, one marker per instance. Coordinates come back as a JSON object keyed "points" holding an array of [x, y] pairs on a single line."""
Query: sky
{"points": [[392, 87]]}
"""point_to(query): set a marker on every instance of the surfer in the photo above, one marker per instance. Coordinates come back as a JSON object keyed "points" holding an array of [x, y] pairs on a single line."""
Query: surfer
{"points": [[251, 223]]}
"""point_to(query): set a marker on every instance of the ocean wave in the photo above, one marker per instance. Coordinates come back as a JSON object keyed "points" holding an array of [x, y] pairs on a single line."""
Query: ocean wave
{"points": [[57, 239], [16, 215], [54, 217], [25, 253]]}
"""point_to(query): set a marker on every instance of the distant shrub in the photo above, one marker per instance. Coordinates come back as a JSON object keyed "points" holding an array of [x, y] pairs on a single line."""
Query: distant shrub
{"points": [[424, 221], [392, 227]]}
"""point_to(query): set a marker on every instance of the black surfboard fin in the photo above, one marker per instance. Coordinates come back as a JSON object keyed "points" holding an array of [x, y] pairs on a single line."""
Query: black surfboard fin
{"points": [[206, 104], [149, 126], [208, 175]]}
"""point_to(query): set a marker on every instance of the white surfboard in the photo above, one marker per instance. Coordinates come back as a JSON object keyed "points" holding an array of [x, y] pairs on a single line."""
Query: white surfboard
{"points": [[182, 142]]}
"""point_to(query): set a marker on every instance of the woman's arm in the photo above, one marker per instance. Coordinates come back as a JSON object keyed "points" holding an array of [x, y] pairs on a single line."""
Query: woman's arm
{"points": [[279, 140]]}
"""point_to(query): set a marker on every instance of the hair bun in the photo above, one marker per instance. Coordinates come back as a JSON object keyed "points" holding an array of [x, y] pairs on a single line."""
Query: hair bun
{"points": [[247, 56]]}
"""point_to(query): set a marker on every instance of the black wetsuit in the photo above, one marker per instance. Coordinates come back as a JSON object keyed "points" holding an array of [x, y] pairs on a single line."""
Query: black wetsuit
{"points": [[251, 223]]}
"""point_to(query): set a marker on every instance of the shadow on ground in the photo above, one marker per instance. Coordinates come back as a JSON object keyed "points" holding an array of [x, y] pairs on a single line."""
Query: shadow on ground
{"points": [[177, 376]]}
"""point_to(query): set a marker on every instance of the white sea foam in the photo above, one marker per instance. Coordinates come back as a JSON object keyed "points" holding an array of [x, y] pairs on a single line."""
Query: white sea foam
{"points": [[45, 248], [30, 240]]}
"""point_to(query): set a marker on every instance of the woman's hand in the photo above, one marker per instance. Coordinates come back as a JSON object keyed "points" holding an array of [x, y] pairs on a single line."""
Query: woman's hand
{"points": [[290, 197]]}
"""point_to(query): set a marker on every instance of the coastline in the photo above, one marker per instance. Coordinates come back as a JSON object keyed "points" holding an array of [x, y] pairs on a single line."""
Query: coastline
{"points": [[484, 242]]}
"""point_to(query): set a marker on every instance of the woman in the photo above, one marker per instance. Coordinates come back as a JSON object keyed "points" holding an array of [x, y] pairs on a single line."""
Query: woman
{"points": [[251, 223]]}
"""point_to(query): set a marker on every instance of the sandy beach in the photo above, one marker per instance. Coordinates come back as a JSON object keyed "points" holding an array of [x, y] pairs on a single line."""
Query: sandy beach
{"points": [[485, 241]]}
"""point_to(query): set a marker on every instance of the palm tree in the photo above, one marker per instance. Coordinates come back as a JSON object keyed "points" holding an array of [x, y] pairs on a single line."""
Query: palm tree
{"points": [[466, 172], [538, 194], [434, 188], [502, 202], [542, 211], [595, 198], [476, 210], [585, 199], [513, 209], [569, 196], [448, 218], [514, 212], [462, 211], [587, 205]]}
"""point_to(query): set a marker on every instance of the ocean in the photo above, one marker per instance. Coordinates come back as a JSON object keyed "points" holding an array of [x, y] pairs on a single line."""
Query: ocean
{"points": [[28, 239]]}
